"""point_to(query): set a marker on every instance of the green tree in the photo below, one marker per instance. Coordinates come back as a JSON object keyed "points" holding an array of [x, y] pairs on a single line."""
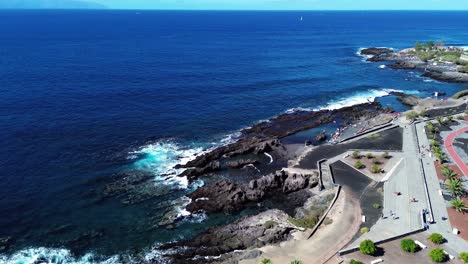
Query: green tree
{"points": [[438, 255], [455, 187], [369, 155], [459, 205], [464, 256], [367, 247], [449, 118], [408, 245], [418, 46], [436, 238], [355, 262], [266, 261], [386, 155], [296, 262]]}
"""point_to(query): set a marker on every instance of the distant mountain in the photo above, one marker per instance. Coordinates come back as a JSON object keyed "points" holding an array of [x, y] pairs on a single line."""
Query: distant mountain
{"points": [[49, 4]]}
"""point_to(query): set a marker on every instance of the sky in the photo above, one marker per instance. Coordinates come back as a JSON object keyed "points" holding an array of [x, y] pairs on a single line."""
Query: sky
{"points": [[244, 4], [289, 4]]}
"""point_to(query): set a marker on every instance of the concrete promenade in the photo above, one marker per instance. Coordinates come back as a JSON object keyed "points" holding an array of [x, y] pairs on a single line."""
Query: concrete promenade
{"points": [[455, 244]]}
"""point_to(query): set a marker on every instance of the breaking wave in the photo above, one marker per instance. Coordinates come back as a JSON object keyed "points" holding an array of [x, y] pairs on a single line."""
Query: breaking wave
{"points": [[354, 99], [161, 157], [55, 256]]}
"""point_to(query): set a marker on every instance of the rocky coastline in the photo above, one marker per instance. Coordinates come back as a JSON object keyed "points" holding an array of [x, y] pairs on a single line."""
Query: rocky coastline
{"points": [[229, 197], [218, 243], [405, 59], [265, 136]]}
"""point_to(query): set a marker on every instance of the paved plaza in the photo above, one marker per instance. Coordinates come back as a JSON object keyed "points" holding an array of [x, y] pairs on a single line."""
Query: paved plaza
{"points": [[406, 196]]}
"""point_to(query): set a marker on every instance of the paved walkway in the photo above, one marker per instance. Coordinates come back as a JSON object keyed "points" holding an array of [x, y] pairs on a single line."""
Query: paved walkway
{"points": [[455, 244], [449, 146]]}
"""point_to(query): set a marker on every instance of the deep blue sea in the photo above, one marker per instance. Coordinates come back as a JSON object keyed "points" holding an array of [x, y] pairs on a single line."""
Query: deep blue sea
{"points": [[88, 94]]}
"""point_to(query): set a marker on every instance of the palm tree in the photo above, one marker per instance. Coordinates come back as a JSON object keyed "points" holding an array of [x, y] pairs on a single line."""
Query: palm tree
{"points": [[459, 205], [444, 168], [296, 262], [430, 126], [440, 157], [450, 174], [455, 186]]}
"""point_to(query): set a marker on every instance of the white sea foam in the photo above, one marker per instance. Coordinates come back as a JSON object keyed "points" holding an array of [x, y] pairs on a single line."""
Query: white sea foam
{"points": [[230, 138], [160, 158], [353, 99], [53, 255]]}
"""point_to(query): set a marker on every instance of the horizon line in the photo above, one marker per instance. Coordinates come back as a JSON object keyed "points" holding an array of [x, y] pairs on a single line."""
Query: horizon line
{"points": [[248, 10]]}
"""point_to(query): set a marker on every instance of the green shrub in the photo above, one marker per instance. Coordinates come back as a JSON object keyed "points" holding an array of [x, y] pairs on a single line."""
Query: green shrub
{"points": [[463, 69], [436, 238], [356, 154], [376, 206], [358, 165], [386, 155], [369, 155], [367, 247], [450, 57], [411, 115], [269, 224], [408, 245], [312, 215], [461, 93], [308, 222], [355, 262], [266, 261], [296, 262], [376, 169], [364, 230], [464, 256], [438, 255], [375, 135]]}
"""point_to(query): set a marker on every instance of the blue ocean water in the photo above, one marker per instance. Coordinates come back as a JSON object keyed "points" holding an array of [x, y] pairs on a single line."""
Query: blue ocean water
{"points": [[86, 94]]}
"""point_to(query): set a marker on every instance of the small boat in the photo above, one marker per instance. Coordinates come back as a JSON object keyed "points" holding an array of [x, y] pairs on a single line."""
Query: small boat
{"points": [[301, 18]]}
